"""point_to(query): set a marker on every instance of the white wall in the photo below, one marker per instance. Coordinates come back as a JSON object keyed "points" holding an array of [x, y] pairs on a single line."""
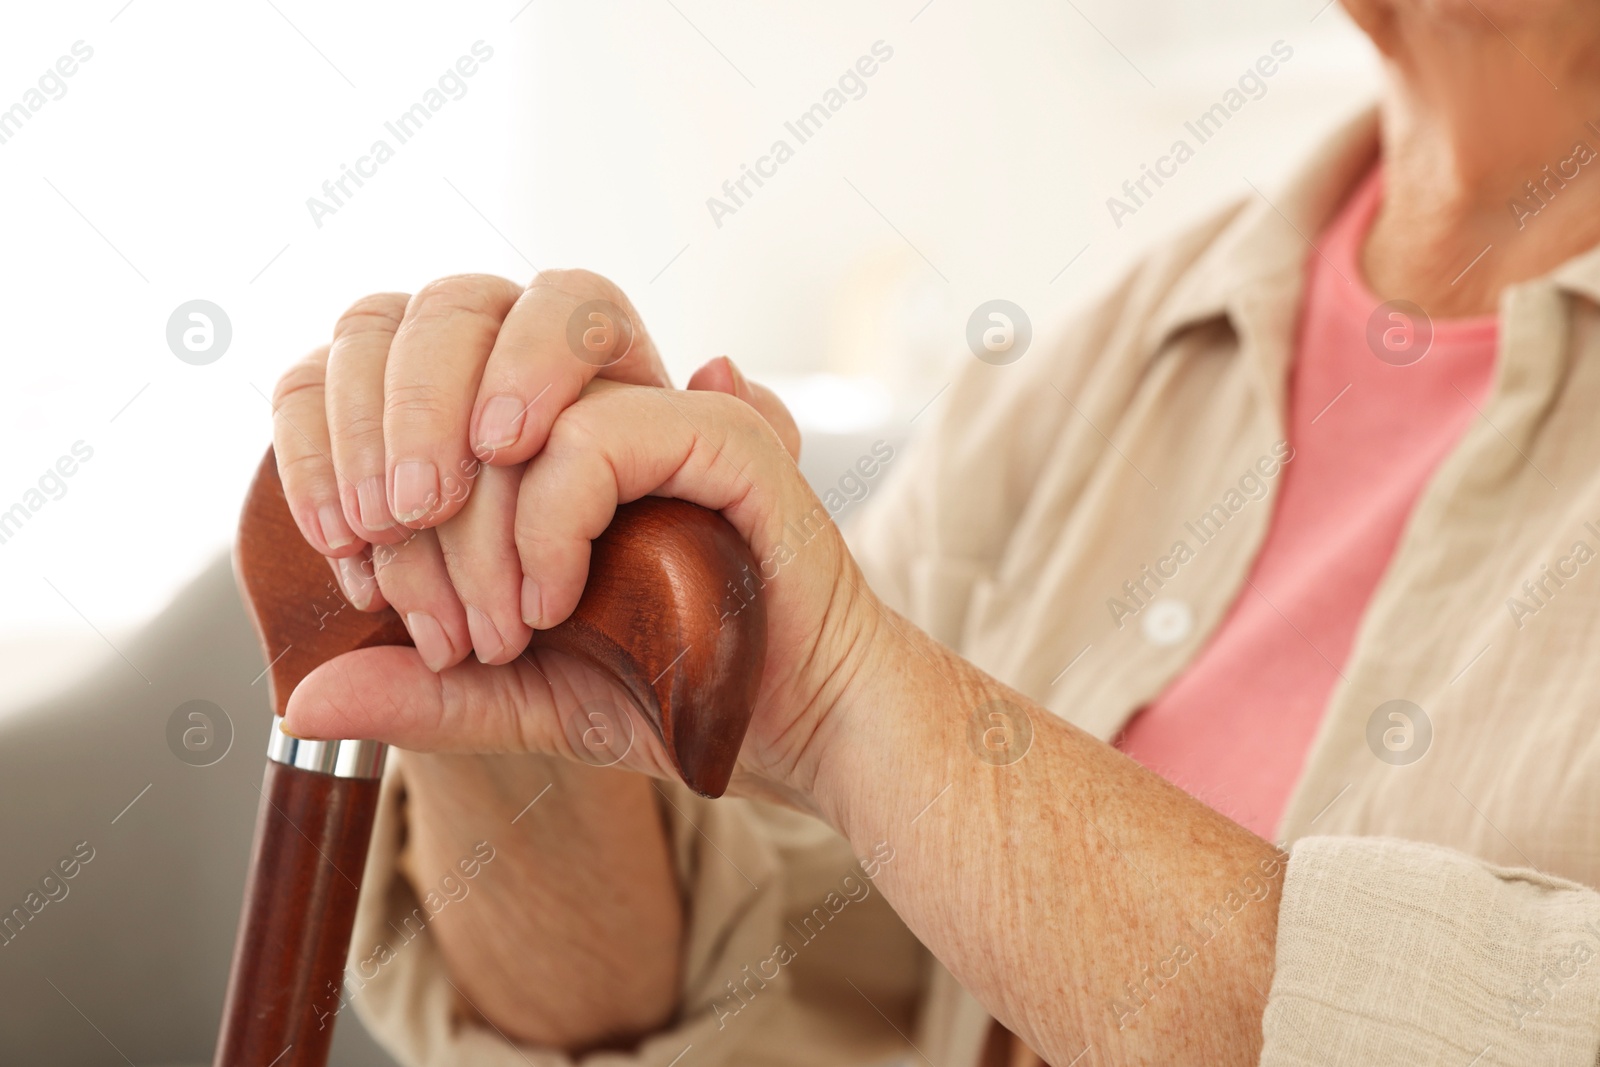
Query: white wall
{"points": [[188, 145]]}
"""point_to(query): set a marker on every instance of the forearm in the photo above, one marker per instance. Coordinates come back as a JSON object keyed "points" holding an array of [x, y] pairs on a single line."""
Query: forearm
{"points": [[574, 941], [1082, 899]]}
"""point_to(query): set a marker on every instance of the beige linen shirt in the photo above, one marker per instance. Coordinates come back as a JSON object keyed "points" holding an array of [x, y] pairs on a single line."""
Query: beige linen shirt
{"points": [[1439, 913]]}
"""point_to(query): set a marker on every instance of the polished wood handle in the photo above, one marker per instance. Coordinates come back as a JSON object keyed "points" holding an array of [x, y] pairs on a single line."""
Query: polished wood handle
{"points": [[669, 611]]}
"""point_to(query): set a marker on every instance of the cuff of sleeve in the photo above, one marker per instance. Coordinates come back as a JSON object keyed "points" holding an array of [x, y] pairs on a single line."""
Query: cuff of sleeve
{"points": [[1393, 952]]}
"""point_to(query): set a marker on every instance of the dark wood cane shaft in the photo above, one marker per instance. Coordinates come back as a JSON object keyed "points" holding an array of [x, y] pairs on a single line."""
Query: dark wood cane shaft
{"points": [[311, 842], [665, 612]]}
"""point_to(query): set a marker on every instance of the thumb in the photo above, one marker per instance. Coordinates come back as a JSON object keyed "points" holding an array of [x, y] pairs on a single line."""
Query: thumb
{"points": [[388, 694], [721, 375], [554, 705]]}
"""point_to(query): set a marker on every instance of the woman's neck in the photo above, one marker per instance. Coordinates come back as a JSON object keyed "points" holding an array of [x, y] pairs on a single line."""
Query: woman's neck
{"points": [[1492, 174]]}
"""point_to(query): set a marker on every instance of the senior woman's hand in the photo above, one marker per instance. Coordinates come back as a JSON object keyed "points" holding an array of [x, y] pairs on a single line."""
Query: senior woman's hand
{"points": [[614, 444], [491, 546]]}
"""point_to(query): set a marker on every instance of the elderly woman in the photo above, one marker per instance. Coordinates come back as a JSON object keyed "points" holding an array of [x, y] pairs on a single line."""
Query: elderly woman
{"points": [[1299, 517]]}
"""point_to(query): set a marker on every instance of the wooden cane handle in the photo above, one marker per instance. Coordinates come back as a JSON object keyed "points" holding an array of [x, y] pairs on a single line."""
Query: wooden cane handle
{"points": [[665, 612], [668, 611]]}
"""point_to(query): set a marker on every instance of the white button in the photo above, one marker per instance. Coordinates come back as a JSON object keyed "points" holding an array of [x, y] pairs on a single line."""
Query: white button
{"points": [[1167, 622]]}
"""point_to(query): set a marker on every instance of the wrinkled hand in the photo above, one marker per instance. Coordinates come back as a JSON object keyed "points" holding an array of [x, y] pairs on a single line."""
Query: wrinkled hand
{"points": [[471, 441]]}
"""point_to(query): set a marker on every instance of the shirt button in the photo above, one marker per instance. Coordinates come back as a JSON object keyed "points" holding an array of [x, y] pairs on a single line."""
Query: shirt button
{"points": [[1167, 622]]}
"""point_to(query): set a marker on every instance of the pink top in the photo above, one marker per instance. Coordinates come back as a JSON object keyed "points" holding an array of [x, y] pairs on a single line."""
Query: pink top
{"points": [[1367, 432]]}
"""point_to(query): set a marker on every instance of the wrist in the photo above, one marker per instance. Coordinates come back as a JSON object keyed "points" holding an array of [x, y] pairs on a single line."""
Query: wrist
{"points": [[886, 747]]}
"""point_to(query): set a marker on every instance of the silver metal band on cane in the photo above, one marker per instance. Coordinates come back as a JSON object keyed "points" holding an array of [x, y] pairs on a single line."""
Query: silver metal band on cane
{"points": [[342, 759]]}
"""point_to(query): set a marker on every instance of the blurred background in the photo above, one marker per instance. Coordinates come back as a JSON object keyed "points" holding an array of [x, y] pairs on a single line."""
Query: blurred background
{"points": [[186, 155], [178, 162]]}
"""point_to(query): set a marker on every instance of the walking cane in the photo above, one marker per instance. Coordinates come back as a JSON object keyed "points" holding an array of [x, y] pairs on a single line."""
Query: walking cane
{"points": [[651, 615]]}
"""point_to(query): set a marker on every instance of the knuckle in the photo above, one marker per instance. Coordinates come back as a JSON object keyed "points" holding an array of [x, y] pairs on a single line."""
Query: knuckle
{"points": [[609, 329], [573, 280], [416, 402], [579, 283], [399, 567], [736, 410], [741, 428], [374, 313], [301, 469], [729, 411], [532, 538], [304, 378], [360, 425], [574, 431], [460, 294]]}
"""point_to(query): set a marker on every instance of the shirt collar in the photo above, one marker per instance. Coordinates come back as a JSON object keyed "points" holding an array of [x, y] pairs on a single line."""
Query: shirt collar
{"points": [[1266, 238], [1581, 275], [1262, 246]]}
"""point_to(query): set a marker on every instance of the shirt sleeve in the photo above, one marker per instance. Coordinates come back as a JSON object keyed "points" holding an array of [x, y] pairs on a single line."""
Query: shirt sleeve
{"points": [[1392, 952], [792, 956]]}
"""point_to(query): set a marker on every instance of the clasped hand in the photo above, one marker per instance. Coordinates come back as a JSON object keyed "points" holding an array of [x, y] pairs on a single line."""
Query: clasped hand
{"points": [[453, 453]]}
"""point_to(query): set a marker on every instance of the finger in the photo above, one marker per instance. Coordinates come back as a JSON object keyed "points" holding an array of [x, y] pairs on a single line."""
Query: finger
{"points": [[361, 340], [412, 577], [544, 703], [620, 443], [429, 386], [389, 694], [305, 464], [568, 327], [358, 581], [722, 375], [480, 554]]}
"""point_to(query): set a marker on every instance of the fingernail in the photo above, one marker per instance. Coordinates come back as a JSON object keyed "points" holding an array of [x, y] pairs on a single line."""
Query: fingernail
{"points": [[336, 532], [486, 639], [500, 422], [532, 602], [416, 489], [432, 644], [373, 505], [358, 584]]}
